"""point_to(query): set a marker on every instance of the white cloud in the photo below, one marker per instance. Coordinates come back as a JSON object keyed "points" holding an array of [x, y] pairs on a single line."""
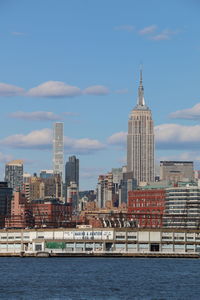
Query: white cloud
{"points": [[42, 139], [118, 138], [37, 139], [54, 89], [148, 30], [164, 35], [186, 156], [167, 136], [175, 136], [36, 116], [188, 114], [125, 28], [96, 90], [82, 146], [10, 90], [150, 33]]}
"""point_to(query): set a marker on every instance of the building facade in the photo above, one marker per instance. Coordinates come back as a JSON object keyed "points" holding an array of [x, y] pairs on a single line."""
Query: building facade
{"points": [[58, 148], [21, 215], [50, 213], [105, 190], [182, 206], [47, 187], [175, 171], [14, 174], [44, 174], [72, 171], [89, 241], [140, 140], [146, 207], [5, 202]]}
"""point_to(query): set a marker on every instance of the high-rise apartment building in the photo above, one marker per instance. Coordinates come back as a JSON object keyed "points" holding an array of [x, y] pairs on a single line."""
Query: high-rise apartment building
{"points": [[58, 148], [182, 206], [14, 174], [140, 140]]}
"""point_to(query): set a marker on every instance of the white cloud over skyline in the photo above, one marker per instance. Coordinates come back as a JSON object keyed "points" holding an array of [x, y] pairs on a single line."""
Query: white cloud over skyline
{"points": [[152, 32], [164, 35], [42, 139], [118, 138], [176, 136], [9, 90], [167, 137], [147, 30], [192, 113], [51, 89], [83, 145], [188, 156], [37, 139], [54, 89]]}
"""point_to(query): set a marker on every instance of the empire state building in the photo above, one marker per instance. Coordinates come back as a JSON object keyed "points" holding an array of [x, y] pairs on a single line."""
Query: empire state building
{"points": [[140, 140]]}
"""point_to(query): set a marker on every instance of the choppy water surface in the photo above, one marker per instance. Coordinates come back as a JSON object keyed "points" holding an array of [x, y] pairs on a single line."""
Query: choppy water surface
{"points": [[99, 278]]}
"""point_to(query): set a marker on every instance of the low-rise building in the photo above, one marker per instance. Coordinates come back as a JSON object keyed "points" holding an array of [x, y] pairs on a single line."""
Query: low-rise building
{"points": [[50, 213], [146, 207], [88, 241]]}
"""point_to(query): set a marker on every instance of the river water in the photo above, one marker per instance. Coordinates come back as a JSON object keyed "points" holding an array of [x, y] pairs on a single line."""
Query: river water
{"points": [[99, 278]]}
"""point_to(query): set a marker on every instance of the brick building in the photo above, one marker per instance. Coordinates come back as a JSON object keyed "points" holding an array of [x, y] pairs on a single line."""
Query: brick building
{"points": [[50, 213], [38, 213], [21, 215], [146, 207]]}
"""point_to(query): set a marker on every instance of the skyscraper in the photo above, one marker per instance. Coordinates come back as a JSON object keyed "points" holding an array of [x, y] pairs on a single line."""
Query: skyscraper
{"points": [[14, 174], [72, 181], [140, 140], [58, 148], [72, 171]]}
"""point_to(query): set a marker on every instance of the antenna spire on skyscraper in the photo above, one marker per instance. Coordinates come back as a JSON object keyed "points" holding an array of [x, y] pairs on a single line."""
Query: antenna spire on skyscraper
{"points": [[141, 101], [140, 74]]}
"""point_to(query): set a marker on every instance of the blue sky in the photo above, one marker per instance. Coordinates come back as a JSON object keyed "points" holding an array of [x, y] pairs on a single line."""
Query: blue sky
{"points": [[78, 62]]}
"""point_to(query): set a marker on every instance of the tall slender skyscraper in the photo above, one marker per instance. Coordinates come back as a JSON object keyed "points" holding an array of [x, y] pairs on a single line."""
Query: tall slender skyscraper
{"points": [[58, 148], [140, 140]]}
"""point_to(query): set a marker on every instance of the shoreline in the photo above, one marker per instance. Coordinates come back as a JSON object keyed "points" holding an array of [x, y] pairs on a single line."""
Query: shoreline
{"points": [[101, 255]]}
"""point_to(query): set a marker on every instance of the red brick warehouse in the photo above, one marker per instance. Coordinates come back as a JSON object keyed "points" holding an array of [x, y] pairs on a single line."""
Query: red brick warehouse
{"points": [[146, 207]]}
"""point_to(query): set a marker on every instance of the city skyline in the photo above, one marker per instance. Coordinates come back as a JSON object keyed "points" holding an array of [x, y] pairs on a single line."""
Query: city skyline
{"points": [[82, 69]]}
